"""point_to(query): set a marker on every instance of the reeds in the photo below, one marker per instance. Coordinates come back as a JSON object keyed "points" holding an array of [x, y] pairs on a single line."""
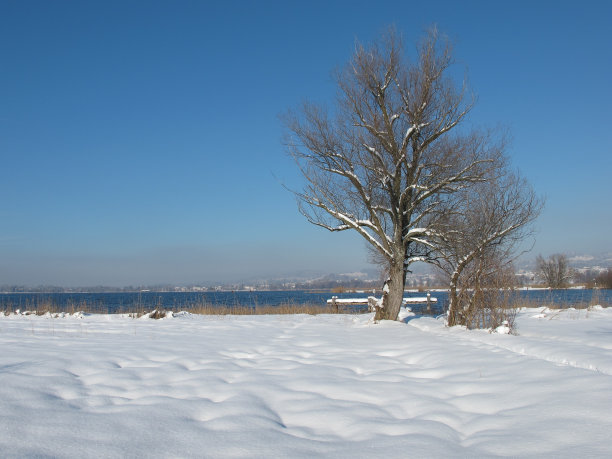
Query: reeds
{"points": [[285, 308], [43, 306], [587, 301]]}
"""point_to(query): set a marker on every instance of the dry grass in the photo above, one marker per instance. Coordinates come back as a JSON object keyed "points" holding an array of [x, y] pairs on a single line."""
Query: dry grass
{"points": [[43, 307], [286, 308]]}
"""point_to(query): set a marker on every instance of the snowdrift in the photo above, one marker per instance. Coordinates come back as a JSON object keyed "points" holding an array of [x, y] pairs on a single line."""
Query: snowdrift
{"points": [[304, 386]]}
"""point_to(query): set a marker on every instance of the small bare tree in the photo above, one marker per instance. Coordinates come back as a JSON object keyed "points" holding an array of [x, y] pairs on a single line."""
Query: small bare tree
{"points": [[483, 298], [478, 236], [554, 271], [604, 279], [387, 159]]}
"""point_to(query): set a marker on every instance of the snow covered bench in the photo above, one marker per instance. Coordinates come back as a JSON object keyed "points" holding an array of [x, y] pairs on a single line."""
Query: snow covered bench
{"points": [[370, 301]]}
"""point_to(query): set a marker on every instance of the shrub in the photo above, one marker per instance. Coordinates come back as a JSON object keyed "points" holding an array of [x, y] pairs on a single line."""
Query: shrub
{"points": [[604, 279]]}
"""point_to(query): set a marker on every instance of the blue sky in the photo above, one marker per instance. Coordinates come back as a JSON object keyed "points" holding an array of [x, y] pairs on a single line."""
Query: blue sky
{"points": [[140, 141]]}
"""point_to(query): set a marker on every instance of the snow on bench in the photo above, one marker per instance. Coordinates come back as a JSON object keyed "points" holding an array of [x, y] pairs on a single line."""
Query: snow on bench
{"points": [[420, 299], [335, 301]]}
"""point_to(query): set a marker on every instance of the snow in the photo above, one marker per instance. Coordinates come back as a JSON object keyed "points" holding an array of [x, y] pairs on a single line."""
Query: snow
{"points": [[348, 300], [420, 299], [304, 386], [356, 301]]}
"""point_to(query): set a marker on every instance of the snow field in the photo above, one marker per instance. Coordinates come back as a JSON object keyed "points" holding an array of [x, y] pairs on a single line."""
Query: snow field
{"points": [[304, 386]]}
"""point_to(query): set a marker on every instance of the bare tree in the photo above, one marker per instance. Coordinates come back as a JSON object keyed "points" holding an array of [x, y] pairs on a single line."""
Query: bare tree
{"points": [[554, 271], [477, 241], [604, 279], [483, 297], [387, 159]]}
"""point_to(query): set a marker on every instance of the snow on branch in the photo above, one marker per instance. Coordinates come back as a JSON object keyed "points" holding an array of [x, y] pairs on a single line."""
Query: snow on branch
{"points": [[348, 222]]}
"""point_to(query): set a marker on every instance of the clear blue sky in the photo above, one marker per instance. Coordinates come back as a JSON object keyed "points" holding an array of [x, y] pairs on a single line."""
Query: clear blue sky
{"points": [[140, 141]]}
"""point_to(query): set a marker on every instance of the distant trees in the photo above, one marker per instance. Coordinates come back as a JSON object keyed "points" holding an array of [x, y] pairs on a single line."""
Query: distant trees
{"points": [[554, 271], [394, 162], [604, 279]]}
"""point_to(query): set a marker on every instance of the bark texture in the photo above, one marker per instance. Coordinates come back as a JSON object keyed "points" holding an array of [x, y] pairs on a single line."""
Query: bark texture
{"points": [[393, 294]]}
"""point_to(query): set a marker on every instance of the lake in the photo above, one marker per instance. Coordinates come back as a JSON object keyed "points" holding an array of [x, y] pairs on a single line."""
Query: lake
{"points": [[132, 301]]}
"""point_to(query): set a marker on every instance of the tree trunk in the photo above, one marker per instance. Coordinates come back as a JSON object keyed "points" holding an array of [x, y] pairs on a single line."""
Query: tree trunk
{"points": [[453, 300], [393, 294]]}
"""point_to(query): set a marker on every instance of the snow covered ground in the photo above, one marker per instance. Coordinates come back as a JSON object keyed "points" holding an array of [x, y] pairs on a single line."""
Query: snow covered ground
{"points": [[305, 386]]}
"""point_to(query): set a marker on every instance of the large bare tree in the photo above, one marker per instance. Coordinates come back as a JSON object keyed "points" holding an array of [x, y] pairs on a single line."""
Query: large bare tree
{"points": [[394, 149]]}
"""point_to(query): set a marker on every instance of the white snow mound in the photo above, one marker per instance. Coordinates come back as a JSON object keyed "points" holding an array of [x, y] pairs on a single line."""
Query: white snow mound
{"points": [[304, 386]]}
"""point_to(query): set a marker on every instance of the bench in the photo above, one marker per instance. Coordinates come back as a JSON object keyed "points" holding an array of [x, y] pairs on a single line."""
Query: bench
{"points": [[370, 301]]}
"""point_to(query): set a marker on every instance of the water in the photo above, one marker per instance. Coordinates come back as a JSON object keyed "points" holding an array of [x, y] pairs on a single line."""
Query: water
{"points": [[133, 301]]}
